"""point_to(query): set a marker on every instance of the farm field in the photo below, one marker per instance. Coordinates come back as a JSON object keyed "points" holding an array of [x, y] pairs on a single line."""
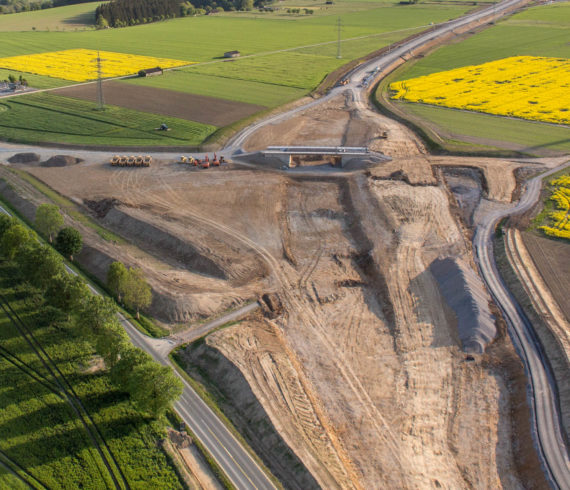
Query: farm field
{"points": [[538, 31], [71, 17], [553, 220], [79, 65], [204, 110], [247, 91], [42, 433], [285, 67], [521, 135], [45, 117], [527, 87]]}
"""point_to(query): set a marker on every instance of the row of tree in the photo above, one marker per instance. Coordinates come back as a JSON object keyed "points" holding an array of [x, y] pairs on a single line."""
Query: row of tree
{"points": [[121, 13], [151, 387], [15, 6]]}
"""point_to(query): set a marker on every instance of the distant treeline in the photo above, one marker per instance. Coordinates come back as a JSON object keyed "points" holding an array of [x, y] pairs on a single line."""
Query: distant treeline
{"points": [[121, 13], [14, 6]]}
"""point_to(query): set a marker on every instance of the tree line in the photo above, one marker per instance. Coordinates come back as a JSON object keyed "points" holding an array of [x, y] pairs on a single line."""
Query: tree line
{"points": [[67, 298], [15, 6], [122, 13]]}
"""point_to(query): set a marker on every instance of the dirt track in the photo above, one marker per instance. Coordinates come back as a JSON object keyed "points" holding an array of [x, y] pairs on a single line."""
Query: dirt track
{"points": [[199, 108]]}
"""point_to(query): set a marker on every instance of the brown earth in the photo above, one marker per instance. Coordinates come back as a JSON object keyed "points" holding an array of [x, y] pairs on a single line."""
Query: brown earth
{"points": [[199, 108], [552, 259], [360, 368]]}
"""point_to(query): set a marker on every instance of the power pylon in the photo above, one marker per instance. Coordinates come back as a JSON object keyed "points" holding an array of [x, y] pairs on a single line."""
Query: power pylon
{"points": [[100, 98]]}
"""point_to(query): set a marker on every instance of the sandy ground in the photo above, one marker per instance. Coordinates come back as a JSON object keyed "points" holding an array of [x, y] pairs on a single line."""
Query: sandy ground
{"points": [[361, 371]]}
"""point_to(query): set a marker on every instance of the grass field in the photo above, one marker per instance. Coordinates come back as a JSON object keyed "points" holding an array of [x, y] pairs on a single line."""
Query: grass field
{"points": [[538, 31], [41, 432], [46, 117], [531, 136], [72, 17]]}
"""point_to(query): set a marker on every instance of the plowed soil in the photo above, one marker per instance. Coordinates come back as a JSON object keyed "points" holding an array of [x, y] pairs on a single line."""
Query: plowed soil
{"points": [[199, 108]]}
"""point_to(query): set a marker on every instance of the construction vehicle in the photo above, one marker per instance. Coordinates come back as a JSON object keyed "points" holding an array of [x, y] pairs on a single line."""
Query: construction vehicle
{"points": [[139, 161], [344, 81], [115, 160], [147, 160], [206, 162], [131, 161], [123, 161], [215, 161], [183, 159]]}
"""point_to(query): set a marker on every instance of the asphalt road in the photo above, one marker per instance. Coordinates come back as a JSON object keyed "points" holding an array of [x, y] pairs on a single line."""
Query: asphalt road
{"points": [[547, 428]]}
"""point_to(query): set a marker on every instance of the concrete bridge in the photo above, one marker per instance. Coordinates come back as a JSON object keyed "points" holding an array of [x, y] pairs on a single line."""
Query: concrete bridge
{"points": [[338, 155]]}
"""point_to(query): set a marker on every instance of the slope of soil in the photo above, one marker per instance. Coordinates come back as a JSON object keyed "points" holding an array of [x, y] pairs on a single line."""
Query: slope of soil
{"points": [[211, 368]]}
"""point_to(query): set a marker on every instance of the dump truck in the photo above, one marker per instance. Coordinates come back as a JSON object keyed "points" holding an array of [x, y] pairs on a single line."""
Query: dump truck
{"points": [[206, 162], [215, 161], [147, 160]]}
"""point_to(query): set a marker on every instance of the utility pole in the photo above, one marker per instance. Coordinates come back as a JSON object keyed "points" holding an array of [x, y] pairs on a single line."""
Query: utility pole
{"points": [[338, 55], [100, 99]]}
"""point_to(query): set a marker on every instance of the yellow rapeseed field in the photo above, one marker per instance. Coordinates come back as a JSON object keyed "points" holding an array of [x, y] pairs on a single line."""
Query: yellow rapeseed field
{"points": [[560, 218], [80, 65], [528, 87]]}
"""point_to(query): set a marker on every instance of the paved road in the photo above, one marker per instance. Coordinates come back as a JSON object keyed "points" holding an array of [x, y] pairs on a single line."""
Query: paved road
{"points": [[542, 391]]}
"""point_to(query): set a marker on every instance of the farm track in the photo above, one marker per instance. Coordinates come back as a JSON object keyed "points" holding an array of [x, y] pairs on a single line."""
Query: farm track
{"points": [[68, 393], [20, 473]]}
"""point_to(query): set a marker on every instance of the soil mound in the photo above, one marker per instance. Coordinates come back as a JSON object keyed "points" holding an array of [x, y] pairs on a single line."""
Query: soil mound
{"points": [[464, 293], [24, 158], [161, 243], [61, 161]]}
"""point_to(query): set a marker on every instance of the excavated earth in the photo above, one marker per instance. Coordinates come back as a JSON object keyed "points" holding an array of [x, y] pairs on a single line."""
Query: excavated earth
{"points": [[356, 368]]}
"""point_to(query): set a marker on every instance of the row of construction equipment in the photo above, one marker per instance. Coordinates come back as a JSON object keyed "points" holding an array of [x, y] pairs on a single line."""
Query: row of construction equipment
{"points": [[132, 161], [204, 162]]}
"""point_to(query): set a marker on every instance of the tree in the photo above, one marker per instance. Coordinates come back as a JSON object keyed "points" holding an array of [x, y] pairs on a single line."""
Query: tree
{"points": [[153, 388], [11, 78], [131, 357], [15, 237], [97, 312], [111, 343], [117, 279], [48, 220], [137, 293], [69, 242], [43, 264], [68, 293], [5, 223]]}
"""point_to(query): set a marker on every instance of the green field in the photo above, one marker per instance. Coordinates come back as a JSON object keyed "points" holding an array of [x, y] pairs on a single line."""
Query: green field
{"points": [[284, 57], [45, 117], [538, 31], [269, 95], [526, 136], [72, 17], [42, 433]]}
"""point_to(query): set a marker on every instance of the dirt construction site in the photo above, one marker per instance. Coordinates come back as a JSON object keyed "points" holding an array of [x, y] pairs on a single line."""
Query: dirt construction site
{"points": [[356, 359]]}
